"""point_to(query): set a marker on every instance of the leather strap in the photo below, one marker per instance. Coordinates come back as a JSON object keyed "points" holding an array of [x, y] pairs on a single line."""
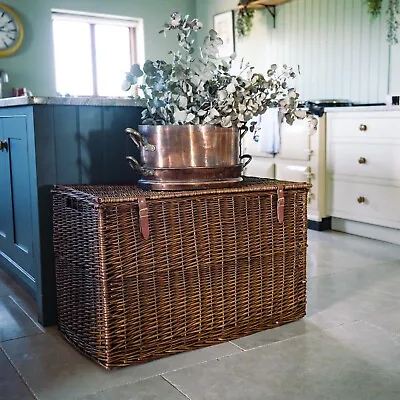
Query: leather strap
{"points": [[143, 217], [281, 205]]}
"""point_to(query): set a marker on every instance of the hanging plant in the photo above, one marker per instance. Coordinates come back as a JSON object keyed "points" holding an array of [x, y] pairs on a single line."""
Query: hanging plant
{"points": [[393, 13], [244, 22], [374, 7]]}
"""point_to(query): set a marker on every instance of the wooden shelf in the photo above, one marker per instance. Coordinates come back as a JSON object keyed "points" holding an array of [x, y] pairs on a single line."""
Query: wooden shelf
{"points": [[261, 4], [270, 5]]}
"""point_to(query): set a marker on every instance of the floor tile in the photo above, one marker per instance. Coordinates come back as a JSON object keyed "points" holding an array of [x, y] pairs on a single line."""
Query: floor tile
{"points": [[9, 288], [12, 386], [269, 336], [389, 321], [5, 284], [355, 294], [14, 323], [368, 248], [330, 365], [150, 389], [329, 260], [53, 369]]}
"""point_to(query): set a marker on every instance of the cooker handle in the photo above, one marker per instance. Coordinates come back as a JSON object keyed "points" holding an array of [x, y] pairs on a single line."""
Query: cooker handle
{"points": [[249, 157], [133, 134]]}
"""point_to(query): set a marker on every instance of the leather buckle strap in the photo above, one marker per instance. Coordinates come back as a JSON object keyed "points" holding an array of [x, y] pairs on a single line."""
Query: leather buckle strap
{"points": [[281, 205], [143, 217]]}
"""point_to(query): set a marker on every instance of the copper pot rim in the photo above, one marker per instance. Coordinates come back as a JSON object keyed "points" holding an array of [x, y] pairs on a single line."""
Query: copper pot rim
{"points": [[184, 128], [217, 167]]}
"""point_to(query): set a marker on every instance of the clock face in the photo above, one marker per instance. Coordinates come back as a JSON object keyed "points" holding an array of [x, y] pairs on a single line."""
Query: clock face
{"points": [[11, 31]]}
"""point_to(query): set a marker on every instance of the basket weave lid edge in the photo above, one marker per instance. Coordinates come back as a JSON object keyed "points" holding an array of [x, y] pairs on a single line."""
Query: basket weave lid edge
{"points": [[102, 194]]}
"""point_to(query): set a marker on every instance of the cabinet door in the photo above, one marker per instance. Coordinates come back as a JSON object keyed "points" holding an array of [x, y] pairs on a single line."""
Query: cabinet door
{"points": [[15, 203]]}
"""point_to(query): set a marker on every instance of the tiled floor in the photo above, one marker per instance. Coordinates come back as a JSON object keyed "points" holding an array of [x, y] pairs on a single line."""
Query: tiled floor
{"points": [[347, 348]]}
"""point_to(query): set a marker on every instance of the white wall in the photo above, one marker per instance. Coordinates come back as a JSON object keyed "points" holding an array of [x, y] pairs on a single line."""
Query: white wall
{"points": [[341, 52]]}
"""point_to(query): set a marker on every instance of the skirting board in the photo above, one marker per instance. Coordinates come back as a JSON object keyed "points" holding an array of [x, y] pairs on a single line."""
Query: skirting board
{"points": [[367, 230], [323, 225]]}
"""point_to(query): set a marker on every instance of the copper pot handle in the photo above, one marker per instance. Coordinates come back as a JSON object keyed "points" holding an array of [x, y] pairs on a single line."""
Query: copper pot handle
{"points": [[244, 165], [133, 134], [134, 164], [242, 133]]}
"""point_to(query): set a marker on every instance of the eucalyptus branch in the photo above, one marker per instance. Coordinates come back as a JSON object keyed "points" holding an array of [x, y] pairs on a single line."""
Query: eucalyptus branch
{"points": [[203, 90]]}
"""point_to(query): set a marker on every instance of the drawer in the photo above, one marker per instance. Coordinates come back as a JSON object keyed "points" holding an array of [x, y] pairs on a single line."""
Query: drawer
{"points": [[295, 141], [372, 125], [365, 160], [373, 204], [261, 167]]}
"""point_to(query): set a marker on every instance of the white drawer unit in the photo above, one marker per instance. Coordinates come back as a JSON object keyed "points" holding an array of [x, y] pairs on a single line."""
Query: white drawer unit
{"points": [[363, 172]]}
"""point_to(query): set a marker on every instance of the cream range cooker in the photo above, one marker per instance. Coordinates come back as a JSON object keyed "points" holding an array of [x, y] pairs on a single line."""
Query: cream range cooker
{"points": [[301, 158]]}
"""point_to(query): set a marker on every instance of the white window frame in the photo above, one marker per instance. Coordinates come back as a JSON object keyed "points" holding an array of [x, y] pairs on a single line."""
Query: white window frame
{"points": [[135, 26]]}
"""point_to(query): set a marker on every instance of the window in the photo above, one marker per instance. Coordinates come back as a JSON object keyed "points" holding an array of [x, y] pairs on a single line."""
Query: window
{"points": [[92, 53]]}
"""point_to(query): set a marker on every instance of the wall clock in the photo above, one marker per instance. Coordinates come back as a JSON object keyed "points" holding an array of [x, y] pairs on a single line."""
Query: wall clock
{"points": [[11, 31]]}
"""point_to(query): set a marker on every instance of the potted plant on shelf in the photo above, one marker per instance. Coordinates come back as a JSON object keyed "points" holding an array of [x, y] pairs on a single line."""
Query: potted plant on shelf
{"points": [[197, 109]]}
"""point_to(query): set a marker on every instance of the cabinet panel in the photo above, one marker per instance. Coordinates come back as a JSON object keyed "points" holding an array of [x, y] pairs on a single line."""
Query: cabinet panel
{"points": [[6, 220], [15, 202], [18, 159]]}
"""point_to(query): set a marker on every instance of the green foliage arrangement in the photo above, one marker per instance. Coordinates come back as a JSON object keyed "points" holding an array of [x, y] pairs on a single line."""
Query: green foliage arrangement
{"points": [[203, 89]]}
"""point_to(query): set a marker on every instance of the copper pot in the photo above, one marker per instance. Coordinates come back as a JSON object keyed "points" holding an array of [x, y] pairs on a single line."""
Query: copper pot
{"points": [[186, 146]]}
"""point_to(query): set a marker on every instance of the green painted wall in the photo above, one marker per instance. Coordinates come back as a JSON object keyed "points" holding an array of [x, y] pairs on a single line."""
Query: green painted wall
{"points": [[341, 52], [33, 65]]}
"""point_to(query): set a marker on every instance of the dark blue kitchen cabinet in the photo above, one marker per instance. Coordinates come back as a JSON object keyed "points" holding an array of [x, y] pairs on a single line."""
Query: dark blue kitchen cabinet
{"points": [[16, 235], [43, 145]]}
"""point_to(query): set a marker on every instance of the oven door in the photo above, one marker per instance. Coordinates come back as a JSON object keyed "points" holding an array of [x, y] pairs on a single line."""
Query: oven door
{"points": [[295, 141]]}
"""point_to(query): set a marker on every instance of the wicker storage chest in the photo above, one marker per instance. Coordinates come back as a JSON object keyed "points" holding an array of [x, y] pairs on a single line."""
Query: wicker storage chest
{"points": [[142, 274]]}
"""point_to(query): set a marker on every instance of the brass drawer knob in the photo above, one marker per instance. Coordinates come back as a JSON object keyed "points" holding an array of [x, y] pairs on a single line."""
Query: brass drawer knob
{"points": [[361, 199], [362, 160], [363, 128]]}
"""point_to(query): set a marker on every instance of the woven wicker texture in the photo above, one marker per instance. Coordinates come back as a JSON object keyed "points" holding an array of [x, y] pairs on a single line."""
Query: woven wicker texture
{"points": [[217, 266]]}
